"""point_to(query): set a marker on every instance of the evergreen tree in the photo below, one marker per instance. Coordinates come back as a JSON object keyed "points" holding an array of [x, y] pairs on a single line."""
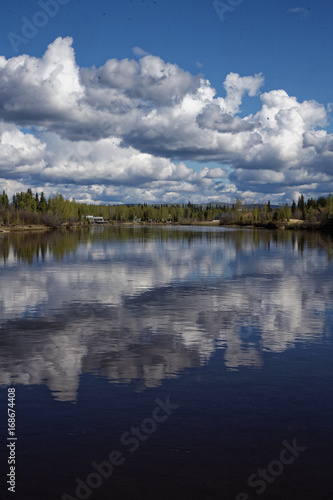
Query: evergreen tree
{"points": [[293, 207], [42, 205], [4, 202], [301, 205]]}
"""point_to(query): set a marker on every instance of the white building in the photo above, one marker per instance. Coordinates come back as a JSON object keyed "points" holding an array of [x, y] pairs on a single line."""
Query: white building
{"points": [[96, 220]]}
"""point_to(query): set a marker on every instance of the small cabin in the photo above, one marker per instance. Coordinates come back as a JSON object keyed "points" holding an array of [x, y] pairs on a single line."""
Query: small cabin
{"points": [[95, 220]]}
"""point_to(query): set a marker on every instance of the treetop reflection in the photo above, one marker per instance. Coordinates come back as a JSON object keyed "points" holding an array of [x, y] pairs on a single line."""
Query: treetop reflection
{"points": [[144, 304]]}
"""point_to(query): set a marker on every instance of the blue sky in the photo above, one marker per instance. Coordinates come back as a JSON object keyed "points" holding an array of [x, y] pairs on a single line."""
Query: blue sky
{"points": [[208, 101]]}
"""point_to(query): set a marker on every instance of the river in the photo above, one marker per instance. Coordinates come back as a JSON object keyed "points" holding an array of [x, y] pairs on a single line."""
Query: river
{"points": [[167, 362]]}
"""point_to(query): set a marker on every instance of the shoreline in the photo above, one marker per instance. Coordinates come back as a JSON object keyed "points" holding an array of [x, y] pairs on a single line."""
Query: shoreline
{"points": [[291, 225], [21, 227]]}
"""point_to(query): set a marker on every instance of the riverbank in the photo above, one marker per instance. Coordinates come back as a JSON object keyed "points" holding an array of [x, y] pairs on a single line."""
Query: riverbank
{"points": [[22, 227], [31, 227], [291, 224]]}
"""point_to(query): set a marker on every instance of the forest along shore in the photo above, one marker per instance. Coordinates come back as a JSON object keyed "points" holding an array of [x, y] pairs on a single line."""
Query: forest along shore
{"points": [[28, 211]]}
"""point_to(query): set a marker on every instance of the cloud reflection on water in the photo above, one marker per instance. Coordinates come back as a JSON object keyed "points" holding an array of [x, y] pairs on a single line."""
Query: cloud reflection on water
{"points": [[136, 304]]}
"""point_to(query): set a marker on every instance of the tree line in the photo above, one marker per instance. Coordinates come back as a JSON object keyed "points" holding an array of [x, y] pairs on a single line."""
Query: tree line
{"points": [[33, 208], [28, 208], [312, 211]]}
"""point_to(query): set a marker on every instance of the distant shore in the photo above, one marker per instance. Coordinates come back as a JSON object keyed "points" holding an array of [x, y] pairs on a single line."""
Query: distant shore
{"points": [[22, 227], [291, 224]]}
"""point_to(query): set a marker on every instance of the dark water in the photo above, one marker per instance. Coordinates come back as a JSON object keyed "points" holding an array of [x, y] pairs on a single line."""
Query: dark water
{"points": [[168, 363]]}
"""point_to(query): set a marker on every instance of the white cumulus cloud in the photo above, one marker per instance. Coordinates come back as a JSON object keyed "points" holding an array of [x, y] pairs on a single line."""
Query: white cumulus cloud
{"points": [[125, 130]]}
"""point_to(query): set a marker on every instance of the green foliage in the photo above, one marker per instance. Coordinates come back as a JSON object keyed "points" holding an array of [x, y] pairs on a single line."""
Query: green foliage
{"points": [[255, 214], [25, 200], [301, 206], [311, 216], [30, 208], [42, 204], [293, 207], [4, 201]]}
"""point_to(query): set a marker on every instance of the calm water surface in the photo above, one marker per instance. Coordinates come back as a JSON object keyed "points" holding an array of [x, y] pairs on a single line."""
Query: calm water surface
{"points": [[168, 362]]}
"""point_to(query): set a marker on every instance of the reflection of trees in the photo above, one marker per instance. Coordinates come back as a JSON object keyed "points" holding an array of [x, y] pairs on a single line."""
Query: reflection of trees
{"points": [[30, 246], [325, 242], [4, 247], [27, 246], [302, 240], [144, 303]]}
